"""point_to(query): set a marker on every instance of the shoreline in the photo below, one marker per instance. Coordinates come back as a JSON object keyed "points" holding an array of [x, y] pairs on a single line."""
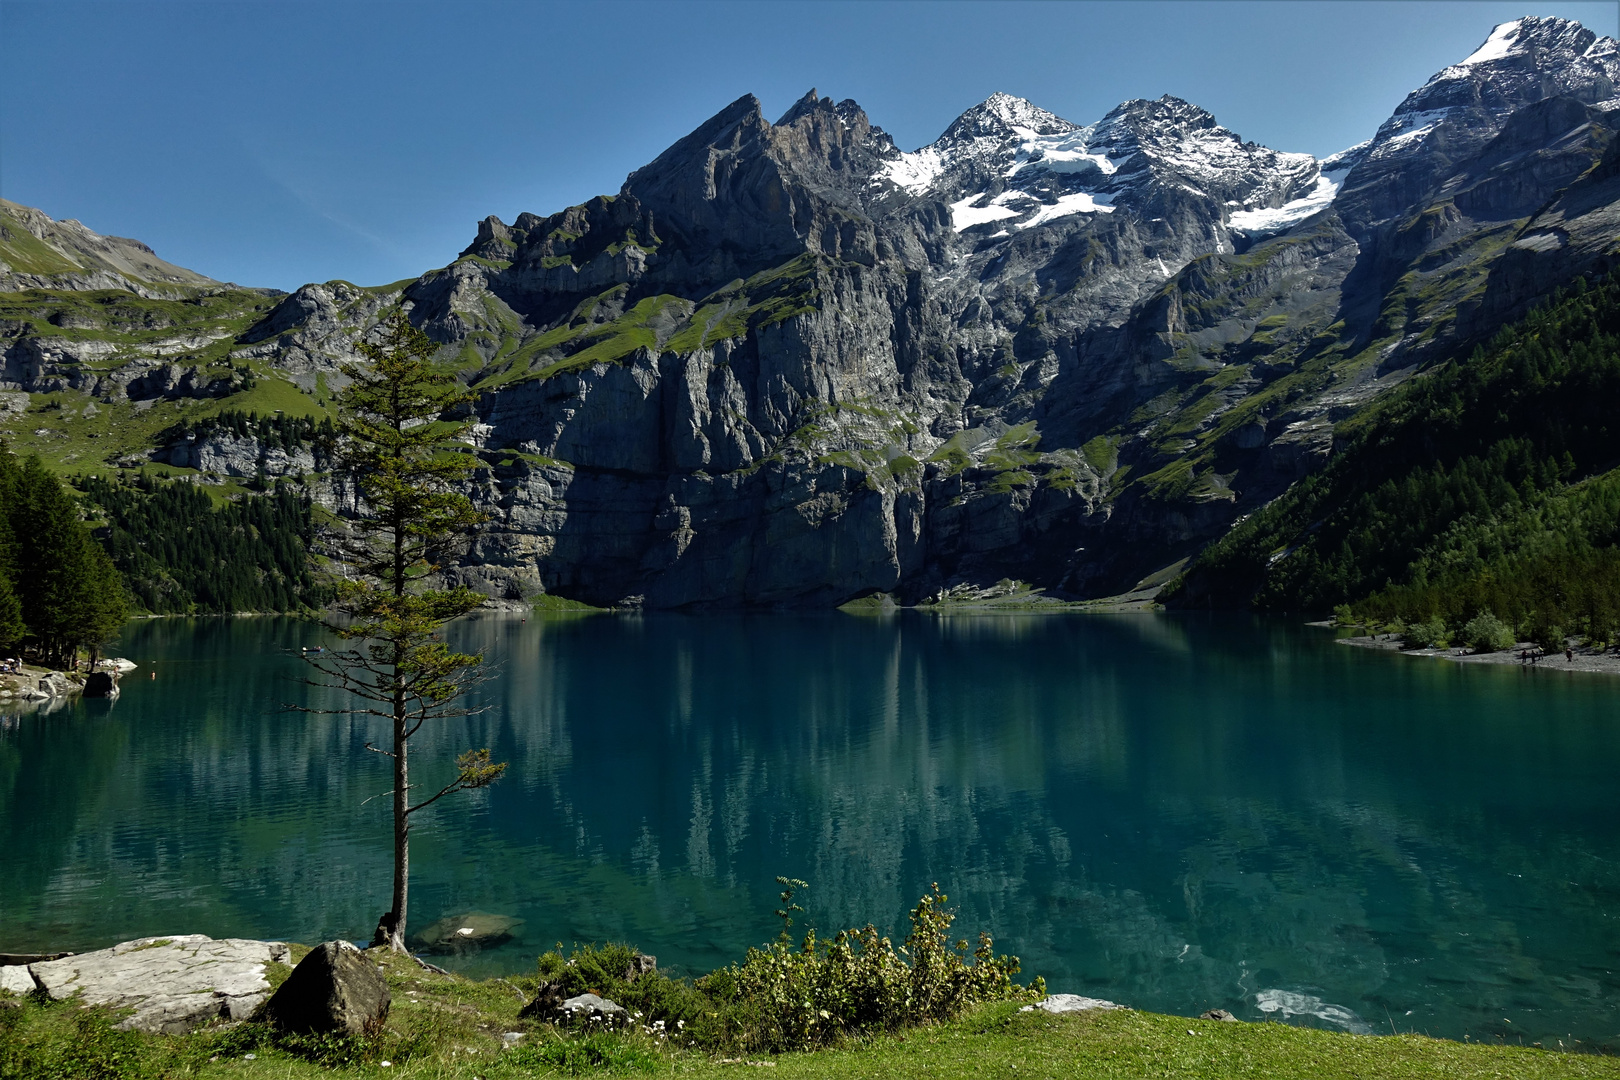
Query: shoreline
{"points": [[1591, 661]]}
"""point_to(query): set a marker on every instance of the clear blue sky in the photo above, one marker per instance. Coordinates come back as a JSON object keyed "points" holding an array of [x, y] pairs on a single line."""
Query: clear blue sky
{"points": [[274, 143]]}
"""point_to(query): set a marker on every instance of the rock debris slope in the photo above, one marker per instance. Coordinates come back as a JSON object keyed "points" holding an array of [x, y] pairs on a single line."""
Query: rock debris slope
{"points": [[790, 364]]}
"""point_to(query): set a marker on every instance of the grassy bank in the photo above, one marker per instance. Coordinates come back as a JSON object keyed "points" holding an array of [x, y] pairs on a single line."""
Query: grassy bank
{"points": [[445, 1027]]}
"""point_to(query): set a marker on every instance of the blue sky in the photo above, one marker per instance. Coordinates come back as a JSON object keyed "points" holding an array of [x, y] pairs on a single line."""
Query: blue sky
{"points": [[274, 143]]}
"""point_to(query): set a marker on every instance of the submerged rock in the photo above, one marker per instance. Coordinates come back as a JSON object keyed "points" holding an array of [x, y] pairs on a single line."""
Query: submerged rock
{"points": [[174, 984], [467, 932], [335, 988]]}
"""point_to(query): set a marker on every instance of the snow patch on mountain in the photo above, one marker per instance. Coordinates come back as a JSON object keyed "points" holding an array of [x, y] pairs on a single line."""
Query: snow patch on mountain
{"points": [[964, 215], [915, 171], [1499, 44], [1406, 128], [1063, 154], [1079, 202], [1289, 214]]}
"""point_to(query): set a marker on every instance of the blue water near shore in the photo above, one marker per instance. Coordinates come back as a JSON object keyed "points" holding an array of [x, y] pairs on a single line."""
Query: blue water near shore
{"points": [[1177, 813]]}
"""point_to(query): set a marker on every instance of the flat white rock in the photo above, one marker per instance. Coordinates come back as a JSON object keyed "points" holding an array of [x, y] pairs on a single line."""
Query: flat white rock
{"points": [[1069, 1003], [174, 984], [15, 978]]}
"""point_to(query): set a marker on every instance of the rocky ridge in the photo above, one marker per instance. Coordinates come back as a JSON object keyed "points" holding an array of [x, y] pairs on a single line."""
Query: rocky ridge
{"points": [[37, 252], [791, 364]]}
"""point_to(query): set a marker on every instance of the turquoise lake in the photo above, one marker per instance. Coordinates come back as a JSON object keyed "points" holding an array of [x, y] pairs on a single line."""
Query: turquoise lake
{"points": [[1176, 813]]}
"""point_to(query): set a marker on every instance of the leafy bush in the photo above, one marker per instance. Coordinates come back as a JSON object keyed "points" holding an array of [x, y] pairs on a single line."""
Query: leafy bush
{"points": [[1431, 633], [1486, 633]]}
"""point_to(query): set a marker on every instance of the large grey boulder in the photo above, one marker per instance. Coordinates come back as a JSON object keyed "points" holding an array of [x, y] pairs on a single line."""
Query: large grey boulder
{"points": [[173, 984], [335, 988]]}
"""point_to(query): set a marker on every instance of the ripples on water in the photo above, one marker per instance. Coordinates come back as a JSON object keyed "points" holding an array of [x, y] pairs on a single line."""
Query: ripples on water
{"points": [[1176, 813]]}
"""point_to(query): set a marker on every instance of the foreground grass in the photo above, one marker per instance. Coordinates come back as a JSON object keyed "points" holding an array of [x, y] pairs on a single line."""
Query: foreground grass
{"points": [[449, 1028]]}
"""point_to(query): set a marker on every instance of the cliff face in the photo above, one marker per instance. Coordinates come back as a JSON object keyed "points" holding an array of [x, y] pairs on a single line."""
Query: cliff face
{"points": [[789, 364]]}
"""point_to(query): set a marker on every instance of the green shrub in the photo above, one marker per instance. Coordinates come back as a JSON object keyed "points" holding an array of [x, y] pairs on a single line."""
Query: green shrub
{"points": [[1431, 633], [783, 998], [1486, 633], [789, 997]]}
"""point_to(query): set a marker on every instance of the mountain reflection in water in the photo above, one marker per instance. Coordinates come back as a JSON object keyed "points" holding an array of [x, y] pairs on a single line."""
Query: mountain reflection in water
{"points": [[1175, 813]]}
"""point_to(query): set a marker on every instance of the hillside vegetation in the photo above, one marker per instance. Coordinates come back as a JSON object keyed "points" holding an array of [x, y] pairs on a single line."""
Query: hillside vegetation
{"points": [[1485, 485], [58, 590], [180, 553]]}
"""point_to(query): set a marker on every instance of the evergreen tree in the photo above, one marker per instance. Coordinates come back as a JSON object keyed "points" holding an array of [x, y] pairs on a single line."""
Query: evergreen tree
{"points": [[406, 463], [12, 627], [69, 592]]}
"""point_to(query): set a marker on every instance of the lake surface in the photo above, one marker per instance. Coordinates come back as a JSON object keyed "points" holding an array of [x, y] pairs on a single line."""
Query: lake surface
{"points": [[1177, 813]]}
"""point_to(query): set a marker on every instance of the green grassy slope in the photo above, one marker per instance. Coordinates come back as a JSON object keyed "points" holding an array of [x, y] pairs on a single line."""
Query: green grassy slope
{"points": [[447, 1028]]}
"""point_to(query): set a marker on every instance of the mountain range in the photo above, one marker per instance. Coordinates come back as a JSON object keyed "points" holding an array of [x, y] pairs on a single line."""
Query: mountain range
{"points": [[790, 364]]}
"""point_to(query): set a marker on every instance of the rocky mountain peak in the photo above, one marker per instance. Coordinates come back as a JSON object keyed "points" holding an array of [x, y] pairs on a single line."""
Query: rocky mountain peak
{"points": [[1562, 39], [1001, 116], [1466, 105], [1521, 62], [1165, 114]]}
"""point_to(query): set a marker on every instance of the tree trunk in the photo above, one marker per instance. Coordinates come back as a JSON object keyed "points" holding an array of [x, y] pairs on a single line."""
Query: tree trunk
{"points": [[402, 787], [402, 827]]}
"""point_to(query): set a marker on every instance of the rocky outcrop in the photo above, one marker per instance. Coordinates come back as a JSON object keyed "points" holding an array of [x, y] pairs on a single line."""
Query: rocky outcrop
{"points": [[172, 985], [101, 684], [336, 988], [222, 453], [592, 1009]]}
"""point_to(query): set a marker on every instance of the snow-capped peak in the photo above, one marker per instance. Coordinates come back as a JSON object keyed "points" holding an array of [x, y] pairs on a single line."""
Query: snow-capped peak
{"points": [[1007, 160], [989, 138], [1519, 62], [1545, 42]]}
